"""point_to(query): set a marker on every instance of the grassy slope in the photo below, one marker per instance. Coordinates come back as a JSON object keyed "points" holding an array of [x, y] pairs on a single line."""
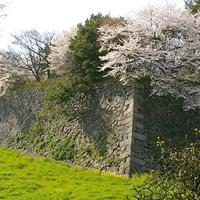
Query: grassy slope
{"points": [[23, 177]]}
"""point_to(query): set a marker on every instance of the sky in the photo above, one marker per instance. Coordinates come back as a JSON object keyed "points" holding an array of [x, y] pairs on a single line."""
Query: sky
{"points": [[58, 15]]}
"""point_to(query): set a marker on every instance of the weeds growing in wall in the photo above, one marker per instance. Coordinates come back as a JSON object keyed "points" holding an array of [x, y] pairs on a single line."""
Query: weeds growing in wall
{"points": [[56, 131]]}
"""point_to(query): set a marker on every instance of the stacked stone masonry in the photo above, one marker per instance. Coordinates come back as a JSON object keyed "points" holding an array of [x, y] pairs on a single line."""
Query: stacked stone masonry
{"points": [[17, 110], [114, 128]]}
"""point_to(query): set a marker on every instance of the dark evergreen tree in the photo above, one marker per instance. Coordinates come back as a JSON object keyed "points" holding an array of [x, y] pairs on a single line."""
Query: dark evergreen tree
{"points": [[85, 48]]}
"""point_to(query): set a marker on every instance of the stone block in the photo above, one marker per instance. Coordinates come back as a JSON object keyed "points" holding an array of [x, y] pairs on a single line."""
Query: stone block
{"points": [[128, 102], [127, 131], [125, 143], [125, 121], [138, 148], [139, 125], [139, 136], [114, 169], [124, 168], [125, 116], [139, 161], [124, 155], [124, 128], [130, 94], [123, 149], [139, 115], [126, 136], [128, 110], [121, 170]]}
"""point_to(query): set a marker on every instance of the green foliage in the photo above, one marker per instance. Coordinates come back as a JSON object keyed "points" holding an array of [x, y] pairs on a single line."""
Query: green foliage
{"points": [[24, 177], [178, 174], [85, 48], [64, 150], [45, 135], [49, 84], [193, 5], [62, 91], [57, 89]]}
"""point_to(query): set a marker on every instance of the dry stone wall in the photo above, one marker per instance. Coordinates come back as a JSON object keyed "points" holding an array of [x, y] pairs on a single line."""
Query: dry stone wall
{"points": [[17, 112], [102, 128], [161, 117], [97, 127], [112, 128]]}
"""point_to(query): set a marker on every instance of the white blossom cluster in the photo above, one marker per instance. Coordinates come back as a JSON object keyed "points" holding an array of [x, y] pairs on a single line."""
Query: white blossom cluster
{"points": [[60, 52], [8, 75], [161, 43], [4, 77]]}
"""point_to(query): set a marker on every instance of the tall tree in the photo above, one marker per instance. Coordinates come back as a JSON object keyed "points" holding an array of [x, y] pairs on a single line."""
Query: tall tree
{"points": [[84, 47], [60, 53], [77, 51], [29, 51]]}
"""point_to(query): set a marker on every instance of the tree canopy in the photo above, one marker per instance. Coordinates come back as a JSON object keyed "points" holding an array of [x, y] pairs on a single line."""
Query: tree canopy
{"points": [[60, 52], [84, 47], [29, 51], [160, 43]]}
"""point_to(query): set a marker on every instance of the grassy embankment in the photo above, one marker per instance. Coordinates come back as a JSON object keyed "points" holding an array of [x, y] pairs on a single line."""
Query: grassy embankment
{"points": [[24, 178]]}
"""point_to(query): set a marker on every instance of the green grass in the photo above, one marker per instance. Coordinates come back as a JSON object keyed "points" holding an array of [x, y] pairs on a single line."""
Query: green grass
{"points": [[24, 178]]}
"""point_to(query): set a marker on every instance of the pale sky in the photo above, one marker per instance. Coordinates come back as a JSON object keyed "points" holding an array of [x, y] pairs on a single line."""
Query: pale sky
{"points": [[49, 15]]}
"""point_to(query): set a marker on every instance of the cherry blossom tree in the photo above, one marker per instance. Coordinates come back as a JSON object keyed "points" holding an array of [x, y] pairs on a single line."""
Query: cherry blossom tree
{"points": [[160, 43], [60, 52], [8, 75]]}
